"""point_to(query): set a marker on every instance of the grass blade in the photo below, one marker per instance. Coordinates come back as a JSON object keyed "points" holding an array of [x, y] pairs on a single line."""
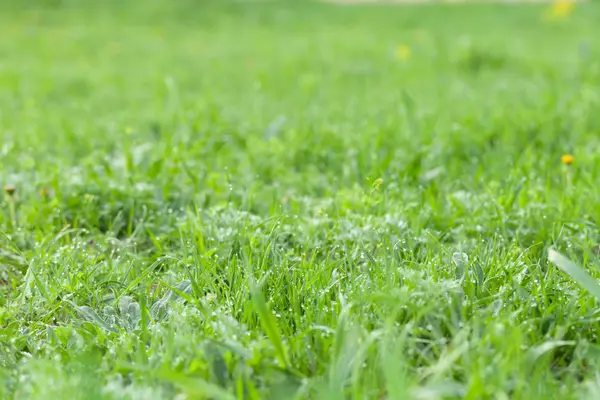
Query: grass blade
{"points": [[269, 323], [577, 273], [196, 386]]}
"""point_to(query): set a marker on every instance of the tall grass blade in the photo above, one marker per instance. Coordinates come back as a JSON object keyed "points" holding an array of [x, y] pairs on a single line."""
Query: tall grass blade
{"points": [[269, 323], [577, 273]]}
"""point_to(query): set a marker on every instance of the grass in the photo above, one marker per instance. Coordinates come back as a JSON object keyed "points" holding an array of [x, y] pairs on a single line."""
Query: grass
{"points": [[232, 200]]}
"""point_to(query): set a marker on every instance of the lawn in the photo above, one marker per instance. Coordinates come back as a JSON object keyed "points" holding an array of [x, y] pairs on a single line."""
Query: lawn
{"points": [[250, 200]]}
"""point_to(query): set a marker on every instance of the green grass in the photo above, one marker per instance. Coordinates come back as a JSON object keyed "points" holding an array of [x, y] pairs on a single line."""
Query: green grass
{"points": [[232, 200]]}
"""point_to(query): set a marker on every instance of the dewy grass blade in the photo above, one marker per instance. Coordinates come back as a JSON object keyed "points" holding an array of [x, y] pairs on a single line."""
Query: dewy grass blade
{"points": [[577, 273], [269, 323]]}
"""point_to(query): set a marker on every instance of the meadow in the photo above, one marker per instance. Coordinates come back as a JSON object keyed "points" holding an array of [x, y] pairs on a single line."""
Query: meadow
{"points": [[294, 200]]}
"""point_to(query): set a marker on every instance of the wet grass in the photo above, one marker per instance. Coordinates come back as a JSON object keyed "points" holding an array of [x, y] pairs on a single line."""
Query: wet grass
{"points": [[234, 200]]}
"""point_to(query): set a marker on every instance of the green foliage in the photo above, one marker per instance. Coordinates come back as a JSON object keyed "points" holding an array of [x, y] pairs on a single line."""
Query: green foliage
{"points": [[293, 200]]}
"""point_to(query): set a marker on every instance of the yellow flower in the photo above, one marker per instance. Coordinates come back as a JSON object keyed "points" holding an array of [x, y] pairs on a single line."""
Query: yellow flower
{"points": [[378, 182], [403, 52], [567, 159], [561, 9]]}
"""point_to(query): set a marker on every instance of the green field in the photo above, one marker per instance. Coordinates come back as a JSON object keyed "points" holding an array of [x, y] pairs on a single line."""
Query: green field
{"points": [[242, 200]]}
